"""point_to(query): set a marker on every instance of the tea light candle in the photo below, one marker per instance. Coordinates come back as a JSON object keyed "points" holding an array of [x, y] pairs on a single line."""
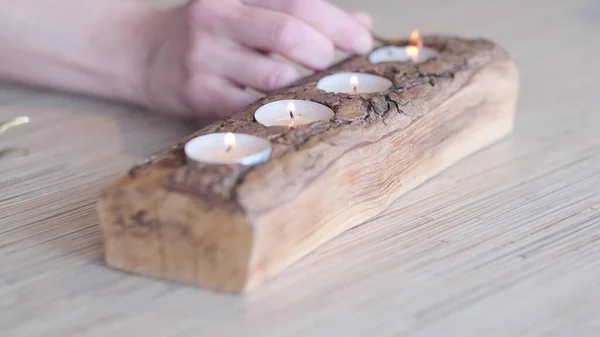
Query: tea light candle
{"points": [[292, 113], [402, 54], [228, 148], [354, 83], [414, 51]]}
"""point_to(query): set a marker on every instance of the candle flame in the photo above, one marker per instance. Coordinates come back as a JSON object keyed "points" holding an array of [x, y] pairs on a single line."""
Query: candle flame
{"points": [[415, 43], [415, 39], [229, 141], [354, 82]]}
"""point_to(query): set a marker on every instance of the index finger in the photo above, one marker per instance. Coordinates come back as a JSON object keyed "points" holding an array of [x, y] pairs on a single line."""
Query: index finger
{"points": [[343, 29]]}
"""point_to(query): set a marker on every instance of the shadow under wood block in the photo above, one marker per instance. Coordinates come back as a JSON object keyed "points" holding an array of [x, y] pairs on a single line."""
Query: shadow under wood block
{"points": [[231, 227]]}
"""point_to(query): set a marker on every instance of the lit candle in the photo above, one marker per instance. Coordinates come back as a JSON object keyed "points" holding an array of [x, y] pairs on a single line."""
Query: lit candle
{"points": [[228, 148], [292, 113], [354, 83], [414, 51]]}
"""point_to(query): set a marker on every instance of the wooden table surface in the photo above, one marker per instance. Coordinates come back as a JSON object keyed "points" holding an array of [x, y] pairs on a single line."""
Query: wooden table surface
{"points": [[506, 243]]}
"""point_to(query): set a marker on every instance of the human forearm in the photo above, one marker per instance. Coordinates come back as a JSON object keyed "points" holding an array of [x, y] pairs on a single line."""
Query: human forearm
{"points": [[96, 47]]}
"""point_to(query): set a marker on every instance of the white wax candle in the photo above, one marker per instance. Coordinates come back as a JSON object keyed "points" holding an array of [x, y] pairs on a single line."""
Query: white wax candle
{"points": [[292, 113], [402, 54], [354, 83], [228, 148]]}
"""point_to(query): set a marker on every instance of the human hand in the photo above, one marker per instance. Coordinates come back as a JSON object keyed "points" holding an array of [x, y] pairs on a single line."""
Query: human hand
{"points": [[201, 56]]}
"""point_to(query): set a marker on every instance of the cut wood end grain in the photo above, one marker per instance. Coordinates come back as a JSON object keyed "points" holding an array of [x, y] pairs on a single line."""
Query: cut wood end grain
{"points": [[231, 227]]}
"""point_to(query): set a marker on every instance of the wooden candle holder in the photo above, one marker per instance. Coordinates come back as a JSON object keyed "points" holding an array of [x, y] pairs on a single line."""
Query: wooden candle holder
{"points": [[230, 227]]}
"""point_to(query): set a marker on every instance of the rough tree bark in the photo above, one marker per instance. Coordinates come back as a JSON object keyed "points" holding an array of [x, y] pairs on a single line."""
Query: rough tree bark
{"points": [[230, 227]]}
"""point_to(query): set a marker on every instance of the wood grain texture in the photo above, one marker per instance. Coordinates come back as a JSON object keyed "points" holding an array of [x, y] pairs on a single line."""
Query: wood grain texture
{"points": [[230, 227], [503, 244]]}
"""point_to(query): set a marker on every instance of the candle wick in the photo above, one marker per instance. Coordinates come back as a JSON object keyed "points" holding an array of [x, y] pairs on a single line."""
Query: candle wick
{"points": [[229, 148], [354, 89], [291, 124]]}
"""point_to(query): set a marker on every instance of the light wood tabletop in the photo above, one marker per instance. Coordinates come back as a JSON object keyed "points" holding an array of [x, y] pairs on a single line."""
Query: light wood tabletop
{"points": [[505, 243]]}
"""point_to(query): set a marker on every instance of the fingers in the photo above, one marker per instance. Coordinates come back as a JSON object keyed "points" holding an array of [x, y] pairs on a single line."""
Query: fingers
{"points": [[241, 65], [214, 96], [283, 34], [350, 33], [267, 30]]}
